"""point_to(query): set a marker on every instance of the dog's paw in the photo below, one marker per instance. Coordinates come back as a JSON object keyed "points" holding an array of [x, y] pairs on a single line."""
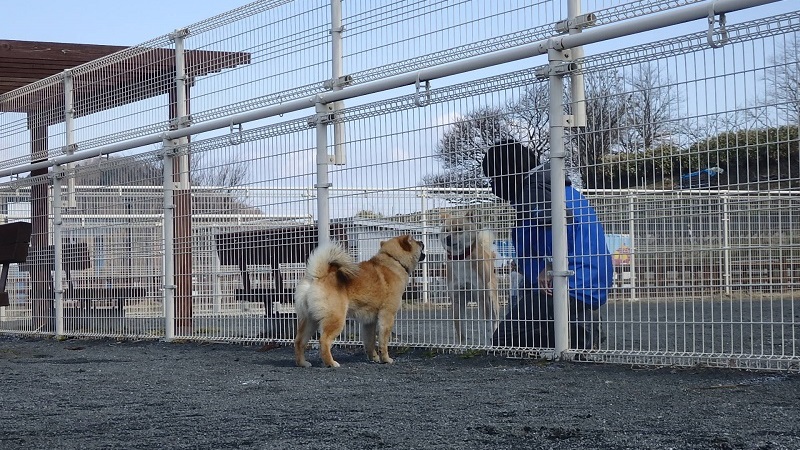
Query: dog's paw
{"points": [[334, 365], [388, 360], [375, 358], [303, 364]]}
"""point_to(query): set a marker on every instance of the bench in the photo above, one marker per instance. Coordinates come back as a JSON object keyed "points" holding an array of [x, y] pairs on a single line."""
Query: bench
{"points": [[282, 249], [75, 256], [14, 241]]}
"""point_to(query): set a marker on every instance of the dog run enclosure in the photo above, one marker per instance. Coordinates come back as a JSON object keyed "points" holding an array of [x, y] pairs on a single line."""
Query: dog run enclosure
{"points": [[175, 188]]}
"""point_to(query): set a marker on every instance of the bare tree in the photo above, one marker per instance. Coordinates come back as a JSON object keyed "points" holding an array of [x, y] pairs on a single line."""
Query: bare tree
{"points": [[606, 111], [651, 109], [462, 146], [222, 177], [623, 115], [529, 118], [225, 173], [785, 79]]}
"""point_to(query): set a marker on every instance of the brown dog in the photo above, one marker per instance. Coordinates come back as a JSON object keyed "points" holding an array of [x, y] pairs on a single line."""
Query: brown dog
{"points": [[470, 274], [335, 286]]}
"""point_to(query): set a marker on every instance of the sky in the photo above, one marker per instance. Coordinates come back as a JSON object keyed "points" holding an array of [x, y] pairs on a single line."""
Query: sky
{"points": [[131, 23], [105, 22]]}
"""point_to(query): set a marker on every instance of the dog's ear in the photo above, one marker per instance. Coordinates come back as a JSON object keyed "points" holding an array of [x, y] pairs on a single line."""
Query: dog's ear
{"points": [[405, 242]]}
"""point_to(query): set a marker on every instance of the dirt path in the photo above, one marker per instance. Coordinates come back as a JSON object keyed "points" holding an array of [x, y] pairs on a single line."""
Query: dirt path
{"points": [[105, 394]]}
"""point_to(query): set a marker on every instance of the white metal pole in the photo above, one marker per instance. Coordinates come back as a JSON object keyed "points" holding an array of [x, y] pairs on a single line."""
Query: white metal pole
{"points": [[323, 185], [216, 274], [337, 64], [181, 106], [632, 234], [726, 244], [169, 245], [69, 133], [558, 208], [577, 87], [182, 272], [424, 210], [58, 252]]}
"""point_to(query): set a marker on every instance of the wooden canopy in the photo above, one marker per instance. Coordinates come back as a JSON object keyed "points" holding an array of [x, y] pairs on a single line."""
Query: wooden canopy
{"points": [[138, 73], [133, 74]]}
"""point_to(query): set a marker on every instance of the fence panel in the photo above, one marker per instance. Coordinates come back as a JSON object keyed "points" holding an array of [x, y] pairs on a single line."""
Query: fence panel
{"points": [[183, 182]]}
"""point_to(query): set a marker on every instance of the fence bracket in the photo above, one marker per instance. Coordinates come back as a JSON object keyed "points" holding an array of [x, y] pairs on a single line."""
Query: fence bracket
{"points": [[578, 23], [58, 173], [69, 149], [723, 32], [235, 137], [325, 114], [564, 273], [180, 122], [417, 97], [561, 64], [345, 80]]}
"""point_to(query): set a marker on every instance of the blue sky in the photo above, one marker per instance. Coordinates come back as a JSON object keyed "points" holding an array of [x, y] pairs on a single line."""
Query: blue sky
{"points": [[131, 23], [103, 21]]}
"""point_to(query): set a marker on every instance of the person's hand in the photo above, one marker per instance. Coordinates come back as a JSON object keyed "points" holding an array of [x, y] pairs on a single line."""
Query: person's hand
{"points": [[546, 282]]}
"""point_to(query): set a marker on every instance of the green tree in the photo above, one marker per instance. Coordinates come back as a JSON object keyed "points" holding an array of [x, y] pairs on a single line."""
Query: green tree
{"points": [[751, 158]]}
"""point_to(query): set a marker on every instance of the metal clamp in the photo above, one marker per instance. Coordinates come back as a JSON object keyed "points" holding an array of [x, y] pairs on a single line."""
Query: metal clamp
{"points": [[555, 69], [335, 83], [69, 149], [179, 34], [238, 133], [417, 100], [324, 114], [180, 122], [58, 173], [723, 32], [579, 22], [556, 273]]}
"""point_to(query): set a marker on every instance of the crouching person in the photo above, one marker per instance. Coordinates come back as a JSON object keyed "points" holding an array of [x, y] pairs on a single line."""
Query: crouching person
{"points": [[509, 165]]}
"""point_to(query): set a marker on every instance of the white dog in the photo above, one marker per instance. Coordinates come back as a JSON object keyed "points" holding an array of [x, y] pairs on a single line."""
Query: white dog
{"points": [[470, 272]]}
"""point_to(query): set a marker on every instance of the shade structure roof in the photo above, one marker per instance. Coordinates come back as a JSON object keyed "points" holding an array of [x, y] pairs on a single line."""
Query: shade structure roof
{"points": [[138, 73]]}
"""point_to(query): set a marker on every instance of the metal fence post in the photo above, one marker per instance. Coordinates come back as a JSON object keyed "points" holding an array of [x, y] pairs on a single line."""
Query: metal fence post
{"points": [[323, 185], [182, 217], [632, 233], [575, 23], [726, 245], [216, 276], [58, 251], [424, 264], [69, 133], [169, 242], [561, 272], [337, 79]]}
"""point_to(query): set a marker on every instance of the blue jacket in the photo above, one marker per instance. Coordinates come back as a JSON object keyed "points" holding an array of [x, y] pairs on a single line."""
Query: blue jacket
{"points": [[587, 252]]}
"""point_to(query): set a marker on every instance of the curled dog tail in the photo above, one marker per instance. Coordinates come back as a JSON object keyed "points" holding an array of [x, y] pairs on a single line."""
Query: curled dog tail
{"points": [[332, 257]]}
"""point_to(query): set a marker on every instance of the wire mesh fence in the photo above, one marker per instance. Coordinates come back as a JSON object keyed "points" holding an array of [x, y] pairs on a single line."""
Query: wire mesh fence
{"points": [[190, 213]]}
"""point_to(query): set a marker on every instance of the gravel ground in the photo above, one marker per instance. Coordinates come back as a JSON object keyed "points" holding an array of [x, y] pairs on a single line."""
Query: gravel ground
{"points": [[87, 394]]}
